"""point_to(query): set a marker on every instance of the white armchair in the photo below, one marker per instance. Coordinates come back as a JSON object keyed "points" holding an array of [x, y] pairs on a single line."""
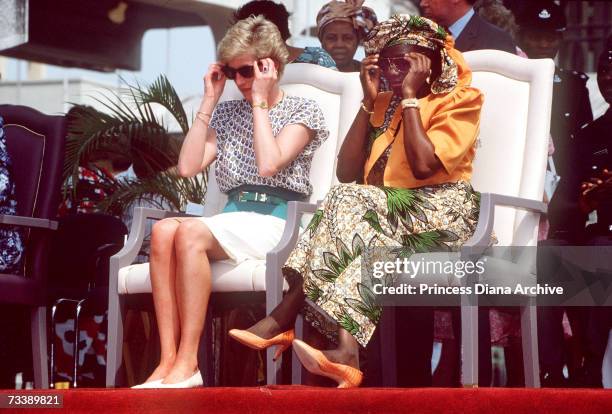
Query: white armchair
{"points": [[509, 171], [339, 95]]}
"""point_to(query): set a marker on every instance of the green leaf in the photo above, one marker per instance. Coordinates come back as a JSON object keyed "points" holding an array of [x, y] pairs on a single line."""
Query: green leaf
{"points": [[343, 253], [374, 133], [164, 190], [314, 223], [429, 241], [358, 245], [313, 291], [372, 218], [162, 92], [333, 263], [441, 33], [347, 322], [366, 295], [404, 204], [325, 275]]}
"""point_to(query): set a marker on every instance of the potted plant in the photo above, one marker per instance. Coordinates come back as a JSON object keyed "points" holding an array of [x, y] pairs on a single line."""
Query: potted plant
{"points": [[131, 127]]}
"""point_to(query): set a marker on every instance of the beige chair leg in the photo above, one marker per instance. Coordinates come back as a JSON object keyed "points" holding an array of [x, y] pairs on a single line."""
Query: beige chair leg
{"points": [[529, 334], [469, 345], [114, 337]]}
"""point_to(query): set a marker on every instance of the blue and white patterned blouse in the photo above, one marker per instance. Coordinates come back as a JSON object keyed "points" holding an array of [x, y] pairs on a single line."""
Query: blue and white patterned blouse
{"points": [[11, 246], [316, 56], [233, 122]]}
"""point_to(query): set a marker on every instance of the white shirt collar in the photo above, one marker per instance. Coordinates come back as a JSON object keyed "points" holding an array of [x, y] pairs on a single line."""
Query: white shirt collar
{"points": [[457, 27]]}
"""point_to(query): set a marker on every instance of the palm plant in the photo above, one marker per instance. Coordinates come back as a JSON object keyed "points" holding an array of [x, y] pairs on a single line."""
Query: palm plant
{"points": [[131, 127]]}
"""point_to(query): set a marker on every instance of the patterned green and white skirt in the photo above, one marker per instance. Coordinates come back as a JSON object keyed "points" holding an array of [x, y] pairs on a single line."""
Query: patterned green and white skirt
{"points": [[353, 218]]}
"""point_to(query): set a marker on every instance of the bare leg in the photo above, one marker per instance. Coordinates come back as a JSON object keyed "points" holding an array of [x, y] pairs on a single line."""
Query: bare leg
{"points": [[162, 268], [195, 248]]}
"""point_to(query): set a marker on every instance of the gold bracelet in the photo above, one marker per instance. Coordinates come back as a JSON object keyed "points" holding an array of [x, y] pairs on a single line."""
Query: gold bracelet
{"points": [[203, 114], [410, 103], [201, 117], [366, 109], [262, 105]]}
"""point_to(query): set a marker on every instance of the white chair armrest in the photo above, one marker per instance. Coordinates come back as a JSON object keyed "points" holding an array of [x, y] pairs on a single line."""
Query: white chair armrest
{"points": [[279, 254], [481, 238]]}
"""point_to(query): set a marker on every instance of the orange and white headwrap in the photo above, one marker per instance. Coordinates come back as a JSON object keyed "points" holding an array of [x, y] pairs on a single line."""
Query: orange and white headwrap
{"points": [[418, 31]]}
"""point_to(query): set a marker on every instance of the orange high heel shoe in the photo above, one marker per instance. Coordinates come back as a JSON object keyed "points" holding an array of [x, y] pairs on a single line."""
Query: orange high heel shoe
{"points": [[317, 363], [282, 340]]}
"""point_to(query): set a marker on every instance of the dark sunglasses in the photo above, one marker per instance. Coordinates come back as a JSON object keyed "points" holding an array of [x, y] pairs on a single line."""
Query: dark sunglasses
{"points": [[245, 71], [396, 64]]}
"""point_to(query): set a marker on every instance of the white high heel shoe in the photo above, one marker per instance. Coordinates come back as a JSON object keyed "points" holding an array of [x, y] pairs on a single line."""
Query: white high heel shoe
{"points": [[192, 382], [150, 384]]}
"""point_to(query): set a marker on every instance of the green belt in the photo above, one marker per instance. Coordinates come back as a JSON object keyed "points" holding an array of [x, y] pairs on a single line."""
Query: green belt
{"points": [[243, 196], [256, 202]]}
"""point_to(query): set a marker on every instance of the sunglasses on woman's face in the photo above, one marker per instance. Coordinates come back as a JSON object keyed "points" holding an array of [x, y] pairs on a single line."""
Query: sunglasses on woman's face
{"points": [[396, 64], [245, 71]]}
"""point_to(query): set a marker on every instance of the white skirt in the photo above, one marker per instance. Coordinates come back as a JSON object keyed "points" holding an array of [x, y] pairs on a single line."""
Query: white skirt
{"points": [[245, 235]]}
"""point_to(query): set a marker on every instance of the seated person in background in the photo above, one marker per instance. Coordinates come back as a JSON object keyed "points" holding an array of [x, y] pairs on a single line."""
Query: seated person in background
{"points": [[11, 245], [341, 27], [96, 174], [413, 146], [96, 182], [263, 145], [278, 14]]}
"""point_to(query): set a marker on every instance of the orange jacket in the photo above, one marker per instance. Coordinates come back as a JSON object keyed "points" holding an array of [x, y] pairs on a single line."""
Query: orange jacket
{"points": [[451, 122]]}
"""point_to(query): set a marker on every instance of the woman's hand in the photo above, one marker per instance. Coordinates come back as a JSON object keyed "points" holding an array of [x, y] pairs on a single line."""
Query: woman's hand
{"points": [[214, 82], [370, 79], [420, 69], [265, 79]]}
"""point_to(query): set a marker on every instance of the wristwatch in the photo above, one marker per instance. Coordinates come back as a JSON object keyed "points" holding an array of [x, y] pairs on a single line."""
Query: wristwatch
{"points": [[262, 105]]}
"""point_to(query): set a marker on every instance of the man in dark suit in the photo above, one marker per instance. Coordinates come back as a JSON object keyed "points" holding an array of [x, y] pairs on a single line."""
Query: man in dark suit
{"points": [[469, 30]]}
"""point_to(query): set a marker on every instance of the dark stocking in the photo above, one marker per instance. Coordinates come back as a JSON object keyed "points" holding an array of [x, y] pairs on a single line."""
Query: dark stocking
{"points": [[283, 316]]}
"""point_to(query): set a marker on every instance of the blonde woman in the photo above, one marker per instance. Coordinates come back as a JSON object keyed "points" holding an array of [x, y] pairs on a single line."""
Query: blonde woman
{"points": [[263, 145]]}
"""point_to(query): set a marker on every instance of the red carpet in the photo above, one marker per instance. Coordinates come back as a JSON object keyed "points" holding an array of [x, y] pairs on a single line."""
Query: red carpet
{"points": [[298, 400]]}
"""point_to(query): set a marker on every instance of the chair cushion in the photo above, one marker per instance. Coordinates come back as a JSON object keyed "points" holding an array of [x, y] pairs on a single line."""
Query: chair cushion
{"points": [[248, 276]]}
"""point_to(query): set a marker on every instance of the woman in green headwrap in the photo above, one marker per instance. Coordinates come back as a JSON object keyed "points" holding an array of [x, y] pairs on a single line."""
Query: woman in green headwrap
{"points": [[413, 148]]}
